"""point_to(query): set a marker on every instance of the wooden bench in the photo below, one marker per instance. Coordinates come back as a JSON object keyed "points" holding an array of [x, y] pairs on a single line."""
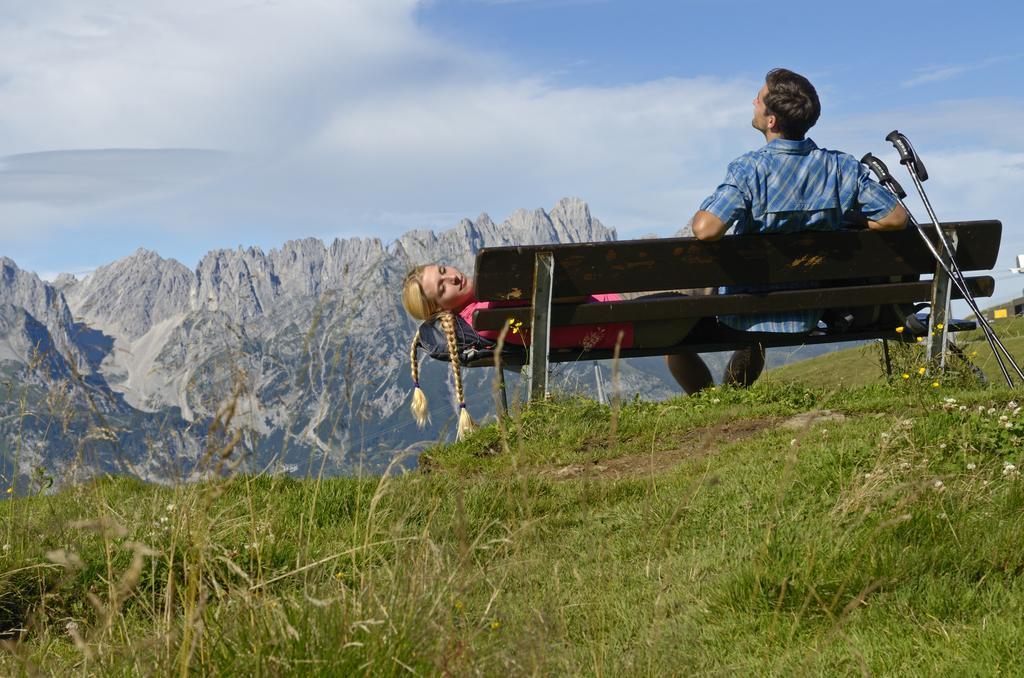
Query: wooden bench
{"points": [[848, 265]]}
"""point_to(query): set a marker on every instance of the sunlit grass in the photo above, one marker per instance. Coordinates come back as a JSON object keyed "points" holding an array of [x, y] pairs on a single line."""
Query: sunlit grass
{"points": [[786, 529]]}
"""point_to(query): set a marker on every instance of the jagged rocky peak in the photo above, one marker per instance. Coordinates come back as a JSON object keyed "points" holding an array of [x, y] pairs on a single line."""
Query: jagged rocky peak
{"points": [[569, 221], [32, 293], [532, 226], [309, 268], [246, 283], [64, 282], [26, 341], [239, 282], [353, 260], [572, 223], [49, 317], [127, 297]]}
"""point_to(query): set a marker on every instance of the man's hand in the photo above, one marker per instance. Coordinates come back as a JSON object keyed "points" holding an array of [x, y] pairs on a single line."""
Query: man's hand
{"points": [[706, 226], [893, 221]]}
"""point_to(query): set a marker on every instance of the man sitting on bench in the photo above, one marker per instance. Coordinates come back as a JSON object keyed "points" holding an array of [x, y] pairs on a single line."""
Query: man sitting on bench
{"points": [[787, 185]]}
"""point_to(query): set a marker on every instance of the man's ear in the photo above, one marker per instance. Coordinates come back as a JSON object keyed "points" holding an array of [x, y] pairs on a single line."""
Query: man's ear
{"points": [[772, 122]]}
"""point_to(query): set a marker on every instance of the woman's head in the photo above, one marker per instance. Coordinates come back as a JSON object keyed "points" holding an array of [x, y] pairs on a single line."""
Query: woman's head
{"points": [[429, 292], [433, 288]]}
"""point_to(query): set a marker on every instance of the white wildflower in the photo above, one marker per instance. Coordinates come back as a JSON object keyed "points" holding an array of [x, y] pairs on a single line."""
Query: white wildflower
{"points": [[942, 446], [1008, 468], [981, 408], [991, 410], [1008, 424], [7, 547], [905, 465], [1016, 411], [1003, 418], [963, 408], [885, 436], [938, 485], [170, 507], [971, 466], [1011, 405], [716, 400], [792, 442]]}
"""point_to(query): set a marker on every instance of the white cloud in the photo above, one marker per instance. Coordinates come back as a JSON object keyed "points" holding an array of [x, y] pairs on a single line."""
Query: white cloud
{"points": [[936, 75], [941, 73], [94, 177], [218, 73], [344, 117], [332, 111]]}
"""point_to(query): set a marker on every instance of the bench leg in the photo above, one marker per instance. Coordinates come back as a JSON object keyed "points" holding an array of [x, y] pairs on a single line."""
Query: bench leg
{"points": [[888, 360], [938, 320], [543, 279]]}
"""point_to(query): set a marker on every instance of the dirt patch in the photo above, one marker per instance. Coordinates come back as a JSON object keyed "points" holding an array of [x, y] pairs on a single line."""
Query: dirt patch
{"points": [[693, 444], [808, 419]]}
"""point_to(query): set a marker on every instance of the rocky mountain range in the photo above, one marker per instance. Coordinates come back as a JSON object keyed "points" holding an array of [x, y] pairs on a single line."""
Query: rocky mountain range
{"points": [[293, 360]]}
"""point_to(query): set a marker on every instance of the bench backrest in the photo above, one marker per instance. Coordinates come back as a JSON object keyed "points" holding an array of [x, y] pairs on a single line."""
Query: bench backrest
{"points": [[507, 273]]}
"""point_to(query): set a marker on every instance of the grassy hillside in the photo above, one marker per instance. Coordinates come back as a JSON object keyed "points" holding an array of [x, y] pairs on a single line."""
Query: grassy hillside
{"points": [[788, 529], [862, 365]]}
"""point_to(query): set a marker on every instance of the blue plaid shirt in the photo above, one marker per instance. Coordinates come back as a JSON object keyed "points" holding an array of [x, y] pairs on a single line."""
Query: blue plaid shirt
{"points": [[788, 186]]}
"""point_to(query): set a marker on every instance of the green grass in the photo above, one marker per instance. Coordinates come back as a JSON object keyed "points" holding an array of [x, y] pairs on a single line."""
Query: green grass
{"points": [[715, 534], [861, 366]]}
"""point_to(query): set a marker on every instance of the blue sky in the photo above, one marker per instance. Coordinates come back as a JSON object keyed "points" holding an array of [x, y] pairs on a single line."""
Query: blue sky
{"points": [[186, 126]]}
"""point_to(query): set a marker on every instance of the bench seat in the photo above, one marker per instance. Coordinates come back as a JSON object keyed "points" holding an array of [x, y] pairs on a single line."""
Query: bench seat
{"points": [[851, 269]]}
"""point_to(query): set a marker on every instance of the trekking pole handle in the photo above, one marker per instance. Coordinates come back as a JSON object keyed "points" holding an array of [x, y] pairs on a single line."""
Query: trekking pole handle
{"points": [[882, 172], [908, 156]]}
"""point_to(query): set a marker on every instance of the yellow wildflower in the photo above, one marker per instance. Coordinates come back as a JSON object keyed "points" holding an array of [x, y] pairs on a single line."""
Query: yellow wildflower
{"points": [[920, 370], [495, 625], [939, 326], [935, 384], [920, 339], [906, 376], [10, 490], [899, 330]]}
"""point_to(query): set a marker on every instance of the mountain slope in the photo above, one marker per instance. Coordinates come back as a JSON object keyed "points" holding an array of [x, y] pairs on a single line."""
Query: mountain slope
{"points": [[305, 346]]}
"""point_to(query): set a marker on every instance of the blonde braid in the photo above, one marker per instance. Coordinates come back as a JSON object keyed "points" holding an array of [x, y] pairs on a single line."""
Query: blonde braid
{"points": [[419, 399], [466, 424]]}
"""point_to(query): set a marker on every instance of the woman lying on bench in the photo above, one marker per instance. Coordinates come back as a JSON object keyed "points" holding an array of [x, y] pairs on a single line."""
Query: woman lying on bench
{"points": [[442, 295]]}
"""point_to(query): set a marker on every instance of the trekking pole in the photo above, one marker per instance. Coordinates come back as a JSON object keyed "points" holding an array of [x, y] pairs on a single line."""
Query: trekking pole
{"points": [[910, 158], [886, 179], [938, 320]]}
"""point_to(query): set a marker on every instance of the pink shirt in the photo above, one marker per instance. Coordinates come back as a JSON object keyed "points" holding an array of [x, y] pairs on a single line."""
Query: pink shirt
{"points": [[567, 336]]}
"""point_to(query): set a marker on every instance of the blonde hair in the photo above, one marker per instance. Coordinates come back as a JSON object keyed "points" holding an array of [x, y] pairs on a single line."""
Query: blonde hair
{"points": [[420, 307]]}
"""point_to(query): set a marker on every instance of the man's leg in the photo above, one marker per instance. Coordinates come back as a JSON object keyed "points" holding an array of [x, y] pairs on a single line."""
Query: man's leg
{"points": [[744, 366], [689, 371]]}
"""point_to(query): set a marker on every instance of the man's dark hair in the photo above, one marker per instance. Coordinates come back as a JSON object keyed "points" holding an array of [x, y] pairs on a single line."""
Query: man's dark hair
{"points": [[793, 101]]}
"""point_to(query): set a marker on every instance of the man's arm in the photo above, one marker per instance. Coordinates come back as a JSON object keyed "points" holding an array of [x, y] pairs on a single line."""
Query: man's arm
{"points": [[706, 226], [895, 220]]}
